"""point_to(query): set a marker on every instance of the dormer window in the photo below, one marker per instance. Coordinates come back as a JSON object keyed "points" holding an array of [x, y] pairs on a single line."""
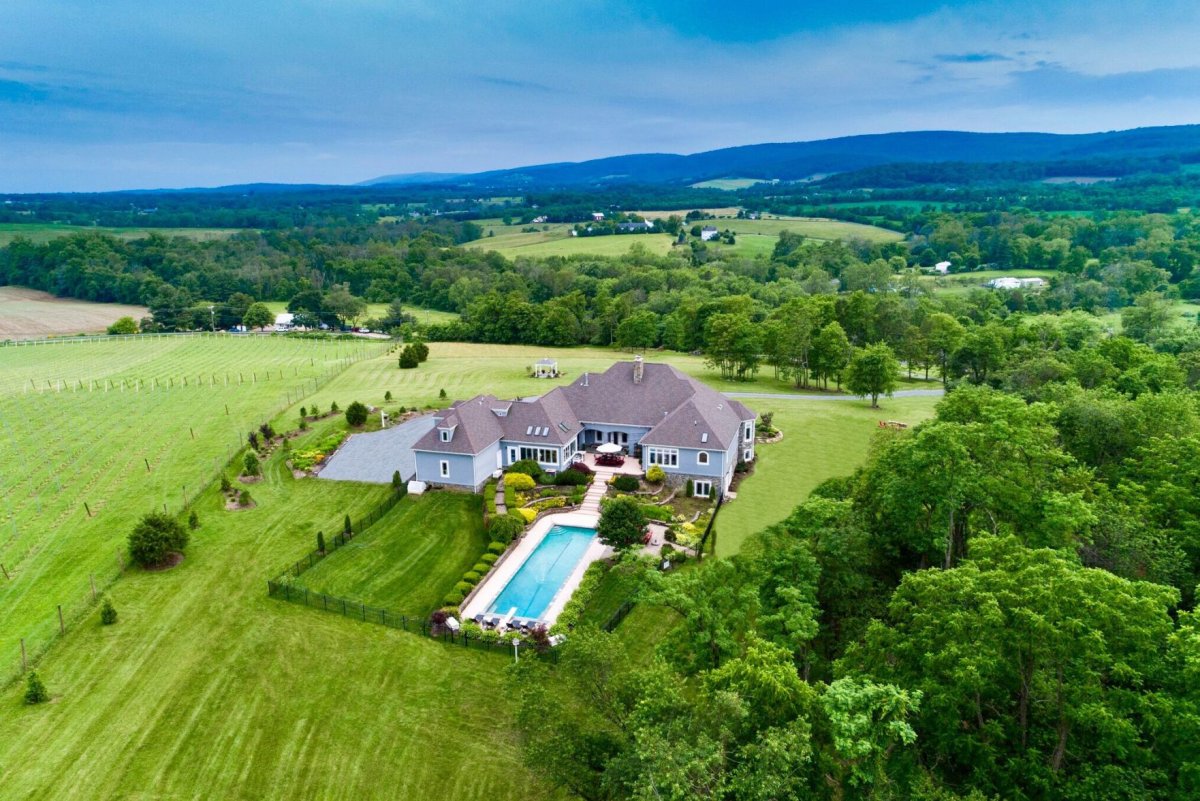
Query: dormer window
{"points": [[445, 435]]}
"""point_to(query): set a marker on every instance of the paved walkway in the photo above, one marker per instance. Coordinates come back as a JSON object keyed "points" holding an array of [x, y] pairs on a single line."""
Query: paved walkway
{"points": [[596, 491], [904, 393], [375, 456], [501, 506]]}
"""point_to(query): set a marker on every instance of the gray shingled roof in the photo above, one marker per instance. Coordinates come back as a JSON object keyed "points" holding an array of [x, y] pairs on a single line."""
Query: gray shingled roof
{"points": [[548, 419], [676, 408], [475, 425]]}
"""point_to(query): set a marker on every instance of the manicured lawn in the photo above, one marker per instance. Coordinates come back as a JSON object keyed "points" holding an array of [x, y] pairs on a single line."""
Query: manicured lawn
{"points": [[408, 560], [466, 369], [206, 688], [643, 629], [822, 439]]}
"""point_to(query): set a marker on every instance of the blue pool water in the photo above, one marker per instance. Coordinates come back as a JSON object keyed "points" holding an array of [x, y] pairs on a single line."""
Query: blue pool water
{"points": [[535, 583]]}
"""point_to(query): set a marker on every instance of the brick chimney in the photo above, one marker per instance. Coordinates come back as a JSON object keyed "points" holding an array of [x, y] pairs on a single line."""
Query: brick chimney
{"points": [[638, 367]]}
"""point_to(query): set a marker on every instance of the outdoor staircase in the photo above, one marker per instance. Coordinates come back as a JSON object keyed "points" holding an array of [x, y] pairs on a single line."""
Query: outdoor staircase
{"points": [[596, 491]]}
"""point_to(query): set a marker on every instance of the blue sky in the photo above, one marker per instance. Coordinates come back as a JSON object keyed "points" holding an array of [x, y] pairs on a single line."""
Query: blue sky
{"points": [[158, 93]]}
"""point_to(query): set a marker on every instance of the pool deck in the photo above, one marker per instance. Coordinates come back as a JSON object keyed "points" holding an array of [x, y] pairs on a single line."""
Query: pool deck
{"points": [[505, 569]]}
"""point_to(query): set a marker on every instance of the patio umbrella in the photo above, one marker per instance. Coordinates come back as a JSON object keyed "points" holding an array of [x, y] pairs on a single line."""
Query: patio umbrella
{"points": [[609, 447]]}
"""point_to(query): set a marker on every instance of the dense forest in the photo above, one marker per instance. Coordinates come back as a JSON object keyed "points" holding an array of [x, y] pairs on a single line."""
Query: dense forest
{"points": [[996, 605]]}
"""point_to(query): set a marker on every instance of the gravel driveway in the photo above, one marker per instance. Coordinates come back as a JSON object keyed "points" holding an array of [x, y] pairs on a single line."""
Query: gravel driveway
{"points": [[375, 456]]}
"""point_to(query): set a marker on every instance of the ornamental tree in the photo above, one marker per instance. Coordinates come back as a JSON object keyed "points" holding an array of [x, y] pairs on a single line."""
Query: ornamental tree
{"points": [[621, 524], [155, 537]]}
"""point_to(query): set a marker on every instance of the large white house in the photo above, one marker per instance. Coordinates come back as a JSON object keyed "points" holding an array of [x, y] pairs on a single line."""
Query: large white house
{"points": [[674, 421]]}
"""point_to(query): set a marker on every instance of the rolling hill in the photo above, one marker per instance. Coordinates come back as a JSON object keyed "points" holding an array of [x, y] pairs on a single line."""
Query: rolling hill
{"points": [[799, 160]]}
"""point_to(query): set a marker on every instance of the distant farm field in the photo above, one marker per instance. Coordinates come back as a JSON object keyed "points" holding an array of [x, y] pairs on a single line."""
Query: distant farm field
{"points": [[729, 183], [30, 314], [754, 237], [377, 310], [44, 232]]}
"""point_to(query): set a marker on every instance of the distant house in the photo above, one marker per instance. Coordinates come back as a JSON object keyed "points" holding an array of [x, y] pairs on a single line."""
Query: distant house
{"points": [[1009, 282], [284, 321], [634, 227], [708, 232], [942, 267], [597, 216], [541, 219], [688, 429]]}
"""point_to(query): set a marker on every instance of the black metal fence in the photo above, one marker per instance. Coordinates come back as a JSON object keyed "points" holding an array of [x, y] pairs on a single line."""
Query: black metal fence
{"points": [[283, 590], [622, 612], [341, 538]]}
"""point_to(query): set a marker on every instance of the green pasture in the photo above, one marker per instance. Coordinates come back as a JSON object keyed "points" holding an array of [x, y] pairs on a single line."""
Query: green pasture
{"points": [[44, 232], [206, 688], [809, 227], [123, 426], [556, 240], [410, 559], [378, 310], [754, 237], [729, 184]]}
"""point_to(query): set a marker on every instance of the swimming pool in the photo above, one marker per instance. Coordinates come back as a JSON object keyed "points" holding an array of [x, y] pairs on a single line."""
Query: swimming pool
{"points": [[536, 582]]}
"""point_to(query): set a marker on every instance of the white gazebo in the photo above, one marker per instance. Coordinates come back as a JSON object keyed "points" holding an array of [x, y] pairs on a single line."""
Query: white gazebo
{"points": [[545, 368]]}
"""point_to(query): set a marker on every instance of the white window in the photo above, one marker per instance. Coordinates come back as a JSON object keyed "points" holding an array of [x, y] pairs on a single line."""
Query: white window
{"points": [[665, 457], [747, 455], [702, 457], [543, 455], [445, 435], [445, 468], [701, 489], [749, 432]]}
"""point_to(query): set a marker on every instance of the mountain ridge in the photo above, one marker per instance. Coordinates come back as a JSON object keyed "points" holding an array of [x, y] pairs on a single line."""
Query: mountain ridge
{"points": [[800, 160]]}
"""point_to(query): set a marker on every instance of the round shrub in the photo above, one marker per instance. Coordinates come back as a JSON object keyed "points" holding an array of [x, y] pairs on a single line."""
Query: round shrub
{"points": [[656, 475], [356, 414], [526, 466], [519, 481], [155, 537], [471, 577], [453, 598], [250, 465], [480, 568], [528, 515], [489, 558], [497, 547], [464, 587], [506, 528], [580, 467], [625, 483], [571, 478]]}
